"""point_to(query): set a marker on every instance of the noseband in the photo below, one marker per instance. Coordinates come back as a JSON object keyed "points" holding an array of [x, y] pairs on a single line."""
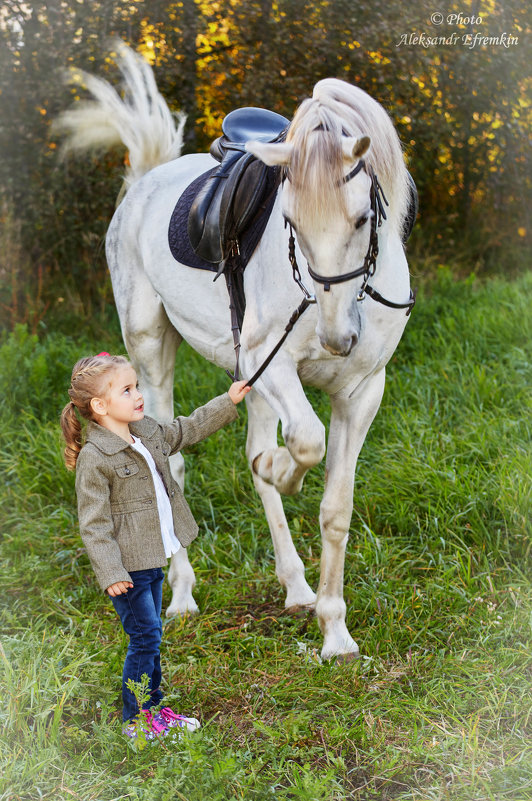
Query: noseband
{"points": [[377, 202]]}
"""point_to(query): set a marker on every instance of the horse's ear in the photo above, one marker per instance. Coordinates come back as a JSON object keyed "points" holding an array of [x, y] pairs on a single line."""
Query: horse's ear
{"points": [[271, 153], [355, 147]]}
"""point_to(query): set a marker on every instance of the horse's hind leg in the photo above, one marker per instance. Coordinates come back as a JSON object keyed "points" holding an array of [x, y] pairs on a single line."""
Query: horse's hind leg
{"points": [[262, 436], [152, 348], [152, 342], [181, 576]]}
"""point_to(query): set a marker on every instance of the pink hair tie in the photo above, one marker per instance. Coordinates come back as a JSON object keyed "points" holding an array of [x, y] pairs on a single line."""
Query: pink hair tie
{"points": [[103, 353]]}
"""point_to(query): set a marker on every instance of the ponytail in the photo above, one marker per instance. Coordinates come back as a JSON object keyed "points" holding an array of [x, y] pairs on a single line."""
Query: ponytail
{"points": [[86, 383], [71, 428]]}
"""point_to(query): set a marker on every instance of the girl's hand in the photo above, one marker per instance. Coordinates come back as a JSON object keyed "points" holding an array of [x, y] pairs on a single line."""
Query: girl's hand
{"points": [[120, 588], [237, 391]]}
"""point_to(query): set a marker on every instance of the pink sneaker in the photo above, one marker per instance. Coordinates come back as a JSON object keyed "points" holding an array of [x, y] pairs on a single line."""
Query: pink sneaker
{"points": [[174, 721], [153, 727], [133, 729], [158, 724]]}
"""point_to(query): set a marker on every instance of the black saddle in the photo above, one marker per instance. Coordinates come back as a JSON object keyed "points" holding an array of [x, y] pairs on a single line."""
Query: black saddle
{"points": [[239, 189], [245, 124]]}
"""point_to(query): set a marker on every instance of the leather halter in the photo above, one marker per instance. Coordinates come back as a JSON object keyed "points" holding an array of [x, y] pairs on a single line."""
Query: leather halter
{"points": [[378, 214]]}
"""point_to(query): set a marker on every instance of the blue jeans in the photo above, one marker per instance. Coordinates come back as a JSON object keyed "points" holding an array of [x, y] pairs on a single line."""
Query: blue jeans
{"points": [[139, 609]]}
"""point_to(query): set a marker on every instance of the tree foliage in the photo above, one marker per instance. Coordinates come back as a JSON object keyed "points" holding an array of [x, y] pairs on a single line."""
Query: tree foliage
{"points": [[460, 110]]}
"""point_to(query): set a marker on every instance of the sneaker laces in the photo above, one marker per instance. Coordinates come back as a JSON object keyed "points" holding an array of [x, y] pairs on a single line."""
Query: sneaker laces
{"points": [[157, 723], [172, 719]]}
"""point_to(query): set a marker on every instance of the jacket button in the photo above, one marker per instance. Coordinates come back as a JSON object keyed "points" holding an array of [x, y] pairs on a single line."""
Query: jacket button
{"points": [[172, 493], [128, 471]]}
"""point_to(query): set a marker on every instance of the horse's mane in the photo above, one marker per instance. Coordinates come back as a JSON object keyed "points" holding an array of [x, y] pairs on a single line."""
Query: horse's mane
{"points": [[335, 109]]}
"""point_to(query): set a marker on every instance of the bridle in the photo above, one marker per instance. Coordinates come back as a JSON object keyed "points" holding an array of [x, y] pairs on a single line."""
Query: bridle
{"points": [[377, 202], [378, 214]]}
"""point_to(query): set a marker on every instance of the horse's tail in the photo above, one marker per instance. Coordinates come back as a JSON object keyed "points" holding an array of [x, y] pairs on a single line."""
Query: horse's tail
{"points": [[141, 120]]}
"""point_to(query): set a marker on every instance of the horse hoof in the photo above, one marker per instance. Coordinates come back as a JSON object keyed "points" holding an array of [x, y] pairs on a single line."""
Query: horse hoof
{"points": [[255, 463], [344, 659], [282, 469], [275, 466], [190, 610], [300, 610], [262, 465]]}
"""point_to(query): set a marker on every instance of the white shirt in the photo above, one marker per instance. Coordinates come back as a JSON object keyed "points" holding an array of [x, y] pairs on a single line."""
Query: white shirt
{"points": [[170, 541]]}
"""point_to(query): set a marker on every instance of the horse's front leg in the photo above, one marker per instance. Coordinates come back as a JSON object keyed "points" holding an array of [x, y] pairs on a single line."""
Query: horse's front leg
{"points": [[262, 436], [350, 421], [303, 433]]}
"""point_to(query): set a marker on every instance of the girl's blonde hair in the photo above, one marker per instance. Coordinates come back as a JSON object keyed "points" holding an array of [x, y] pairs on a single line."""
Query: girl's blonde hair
{"points": [[86, 383]]}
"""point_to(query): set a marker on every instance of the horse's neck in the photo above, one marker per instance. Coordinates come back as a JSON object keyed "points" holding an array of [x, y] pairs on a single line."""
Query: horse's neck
{"points": [[271, 255], [391, 272]]}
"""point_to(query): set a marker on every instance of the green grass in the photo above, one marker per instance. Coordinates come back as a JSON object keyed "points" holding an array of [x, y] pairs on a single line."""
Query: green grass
{"points": [[437, 586]]}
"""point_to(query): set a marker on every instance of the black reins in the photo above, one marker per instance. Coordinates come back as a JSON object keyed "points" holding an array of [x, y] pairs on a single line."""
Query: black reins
{"points": [[378, 214]]}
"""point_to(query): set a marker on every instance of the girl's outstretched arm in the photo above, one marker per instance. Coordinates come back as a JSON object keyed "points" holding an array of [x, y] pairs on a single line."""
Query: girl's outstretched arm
{"points": [[204, 421]]}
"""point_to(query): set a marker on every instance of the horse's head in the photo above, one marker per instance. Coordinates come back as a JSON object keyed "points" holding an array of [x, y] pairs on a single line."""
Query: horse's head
{"points": [[326, 201]]}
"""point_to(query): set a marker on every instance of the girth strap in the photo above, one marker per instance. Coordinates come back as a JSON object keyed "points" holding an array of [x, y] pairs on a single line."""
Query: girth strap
{"points": [[234, 279]]}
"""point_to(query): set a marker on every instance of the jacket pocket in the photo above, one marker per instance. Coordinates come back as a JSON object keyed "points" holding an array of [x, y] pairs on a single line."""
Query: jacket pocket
{"points": [[126, 506], [127, 470]]}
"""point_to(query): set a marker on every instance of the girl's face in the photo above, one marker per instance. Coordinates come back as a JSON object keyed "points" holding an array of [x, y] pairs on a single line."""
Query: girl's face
{"points": [[123, 400]]}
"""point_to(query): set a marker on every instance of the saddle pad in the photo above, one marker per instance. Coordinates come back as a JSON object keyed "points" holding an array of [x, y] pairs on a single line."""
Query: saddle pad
{"points": [[178, 239]]}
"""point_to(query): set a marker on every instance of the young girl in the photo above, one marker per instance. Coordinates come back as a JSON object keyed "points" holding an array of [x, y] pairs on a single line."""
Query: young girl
{"points": [[132, 514]]}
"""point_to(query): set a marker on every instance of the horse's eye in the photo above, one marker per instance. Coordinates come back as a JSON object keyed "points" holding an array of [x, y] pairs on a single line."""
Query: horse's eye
{"points": [[359, 223]]}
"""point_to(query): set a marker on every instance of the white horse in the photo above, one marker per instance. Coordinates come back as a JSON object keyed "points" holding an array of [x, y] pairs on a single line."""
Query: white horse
{"points": [[342, 343]]}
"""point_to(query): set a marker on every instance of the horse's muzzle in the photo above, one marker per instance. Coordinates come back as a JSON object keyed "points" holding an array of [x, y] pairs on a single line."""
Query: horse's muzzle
{"points": [[341, 347]]}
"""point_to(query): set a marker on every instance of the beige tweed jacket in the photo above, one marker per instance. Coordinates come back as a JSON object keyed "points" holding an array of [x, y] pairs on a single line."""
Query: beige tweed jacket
{"points": [[117, 506]]}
